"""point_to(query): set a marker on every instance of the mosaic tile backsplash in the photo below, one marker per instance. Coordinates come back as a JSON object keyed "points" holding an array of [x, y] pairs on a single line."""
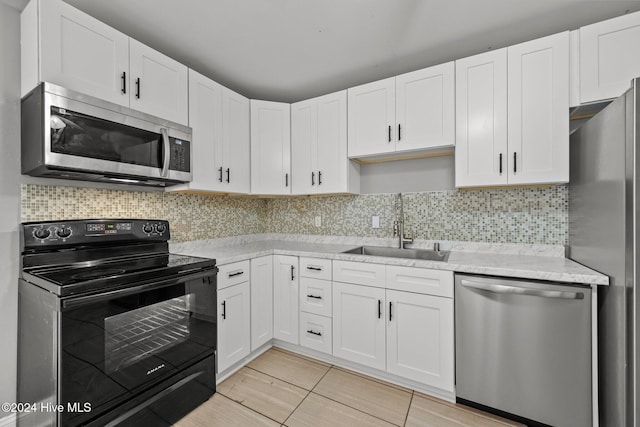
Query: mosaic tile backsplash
{"points": [[191, 216], [512, 215]]}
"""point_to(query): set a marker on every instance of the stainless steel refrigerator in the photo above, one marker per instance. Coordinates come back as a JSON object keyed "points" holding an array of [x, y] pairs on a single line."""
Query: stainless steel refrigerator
{"points": [[604, 213]]}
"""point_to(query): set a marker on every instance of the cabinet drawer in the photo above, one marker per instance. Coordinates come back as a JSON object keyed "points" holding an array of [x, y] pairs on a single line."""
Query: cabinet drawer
{"points": [[359, 273], [315, 296], [315, 332], [420, 280], [315, 267], [232, 274]]}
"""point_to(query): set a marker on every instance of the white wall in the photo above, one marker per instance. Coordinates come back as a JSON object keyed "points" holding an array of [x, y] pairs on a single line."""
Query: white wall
{"points": [[403, 176], [9, 196]]}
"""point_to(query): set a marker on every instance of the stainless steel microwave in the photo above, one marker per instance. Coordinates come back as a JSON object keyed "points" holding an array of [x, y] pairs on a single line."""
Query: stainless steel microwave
{"points": [[69, 135]]}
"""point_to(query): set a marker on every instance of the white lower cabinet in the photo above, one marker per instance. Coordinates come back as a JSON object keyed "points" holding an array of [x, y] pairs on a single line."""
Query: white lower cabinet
{"points": [[359, 324], [315, 332], [261, 301], [420, 338], [234, 334], [285, 298], [398, 319]]}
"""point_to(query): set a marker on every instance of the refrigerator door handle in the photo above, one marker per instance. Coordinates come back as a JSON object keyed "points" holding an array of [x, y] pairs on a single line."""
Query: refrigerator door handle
{"points": [[503, 289]]}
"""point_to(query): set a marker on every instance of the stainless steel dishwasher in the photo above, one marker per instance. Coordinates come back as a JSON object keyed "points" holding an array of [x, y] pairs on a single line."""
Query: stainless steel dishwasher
{"points": [[524, 348]]}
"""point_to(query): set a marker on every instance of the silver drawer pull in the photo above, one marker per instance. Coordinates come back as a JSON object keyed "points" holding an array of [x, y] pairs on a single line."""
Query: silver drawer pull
{"points": [[314, 333], [314, 296], [504, 289], [310, 267], [236, 273]]}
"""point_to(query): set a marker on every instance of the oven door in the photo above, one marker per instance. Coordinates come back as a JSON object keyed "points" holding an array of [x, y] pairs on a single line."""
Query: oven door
{"points": [[117, 344], [86, 137]]}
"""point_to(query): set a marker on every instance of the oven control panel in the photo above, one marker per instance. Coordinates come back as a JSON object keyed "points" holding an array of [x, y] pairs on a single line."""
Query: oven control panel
{"points": [[76, 232]]}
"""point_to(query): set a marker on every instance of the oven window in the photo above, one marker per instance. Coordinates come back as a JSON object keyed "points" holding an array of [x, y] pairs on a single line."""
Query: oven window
{"points": [[137, 334], [117, 344]]}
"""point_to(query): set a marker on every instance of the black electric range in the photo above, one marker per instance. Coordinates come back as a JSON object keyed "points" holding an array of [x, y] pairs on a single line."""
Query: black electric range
{"points": [[113, 328]]}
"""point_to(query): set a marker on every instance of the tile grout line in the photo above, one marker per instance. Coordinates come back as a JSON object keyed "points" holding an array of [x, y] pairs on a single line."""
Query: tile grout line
{"points": [[308, 393], [355, 409], [279, 379], [251, 409], [406, 417]]}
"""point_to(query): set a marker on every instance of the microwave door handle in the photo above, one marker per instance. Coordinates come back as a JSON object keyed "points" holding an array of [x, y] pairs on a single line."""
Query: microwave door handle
{"points": [[166, 155]]}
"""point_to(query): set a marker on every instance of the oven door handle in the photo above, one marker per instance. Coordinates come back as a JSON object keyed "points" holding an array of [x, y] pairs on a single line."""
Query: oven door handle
{"points": [[73, 303]]}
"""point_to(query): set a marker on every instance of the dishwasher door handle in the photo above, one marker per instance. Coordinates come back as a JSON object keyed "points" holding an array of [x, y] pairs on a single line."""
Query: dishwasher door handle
{"points": [[504, 289]]}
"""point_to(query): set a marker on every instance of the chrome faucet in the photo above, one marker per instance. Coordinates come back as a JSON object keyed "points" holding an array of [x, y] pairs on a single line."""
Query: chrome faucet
{"points": [[398, 224]]}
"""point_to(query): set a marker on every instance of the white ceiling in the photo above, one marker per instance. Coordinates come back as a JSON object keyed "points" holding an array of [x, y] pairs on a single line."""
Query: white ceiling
{"points": [[288, 50]]}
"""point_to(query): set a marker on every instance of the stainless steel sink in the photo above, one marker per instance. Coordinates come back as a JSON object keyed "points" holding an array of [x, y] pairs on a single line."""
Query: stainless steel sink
{"points": [[400, 253]]}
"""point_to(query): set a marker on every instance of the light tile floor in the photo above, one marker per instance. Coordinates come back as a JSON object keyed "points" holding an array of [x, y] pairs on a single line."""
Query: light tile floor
{"points": [[280, 388]]}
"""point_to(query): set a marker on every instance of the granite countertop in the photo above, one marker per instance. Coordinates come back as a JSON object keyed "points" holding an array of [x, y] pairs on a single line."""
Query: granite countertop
{"points": [[498, 260]]}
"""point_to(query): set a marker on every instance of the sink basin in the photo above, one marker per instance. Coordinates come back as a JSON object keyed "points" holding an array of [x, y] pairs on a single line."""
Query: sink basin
{"points": [[400, 253]]}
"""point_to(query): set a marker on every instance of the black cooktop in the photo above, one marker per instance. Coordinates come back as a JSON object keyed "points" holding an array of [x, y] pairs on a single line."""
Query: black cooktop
{"points": [[89, 256], [90, 277]]}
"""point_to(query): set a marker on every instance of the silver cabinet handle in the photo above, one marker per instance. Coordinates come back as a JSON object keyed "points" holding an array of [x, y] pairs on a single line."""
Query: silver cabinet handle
{"points": [[165, 153], [504, 289]]}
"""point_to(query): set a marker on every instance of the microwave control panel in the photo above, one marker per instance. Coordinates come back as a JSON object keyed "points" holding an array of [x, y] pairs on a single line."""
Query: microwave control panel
{"points": [[180, 159]]}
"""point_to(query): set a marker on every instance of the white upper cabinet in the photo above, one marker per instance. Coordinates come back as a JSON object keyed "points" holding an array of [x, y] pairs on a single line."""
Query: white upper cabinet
{"points": [[412, 111], [525, 89], [481, 119], [205, 118], [158, 83], [219, 118], [538, 99], [425, 111], [67, 47], [319, 147], [62, 45], [608, 57], [236, 140], [372, 118], [270, 148]]}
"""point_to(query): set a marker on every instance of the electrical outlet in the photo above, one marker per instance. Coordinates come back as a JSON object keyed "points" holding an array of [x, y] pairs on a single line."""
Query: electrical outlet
{"points": [[375, 221], [318, 221]]}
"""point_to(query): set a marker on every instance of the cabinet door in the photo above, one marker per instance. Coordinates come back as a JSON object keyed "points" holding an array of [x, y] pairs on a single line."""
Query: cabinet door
{"points": [[81, 53], [304, 146], [333, 164], [270, 148], [236, 141], [372, 118], [285, 298], [158, 83], [359, 324], [425, 112], [538, 91], [234, 341], [205, 118], [481, 120], [607, 58], [420, 340], [261, 301]]}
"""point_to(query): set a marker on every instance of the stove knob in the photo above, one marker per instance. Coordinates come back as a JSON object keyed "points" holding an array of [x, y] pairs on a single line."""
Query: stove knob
{"points": [[41, 233], [147, 228], [161, 228], [64, 232]]}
